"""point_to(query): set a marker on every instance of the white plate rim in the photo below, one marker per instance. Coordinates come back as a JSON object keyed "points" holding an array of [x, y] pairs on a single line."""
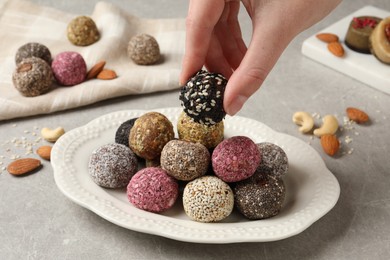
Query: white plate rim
{"points": [[321, 185]]}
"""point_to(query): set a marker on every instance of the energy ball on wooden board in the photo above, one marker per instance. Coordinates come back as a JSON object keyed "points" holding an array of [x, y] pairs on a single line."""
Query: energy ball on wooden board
{"points": [[69, 68], [82, 31], [259, 197], [202, 97], [143, 49], [208, 199], [274, 160], [235, 159], [123, 132], [150, 133], [112, 165], [189, 130], [152, 189], [33, 49], [184, 160], [32, 77]]}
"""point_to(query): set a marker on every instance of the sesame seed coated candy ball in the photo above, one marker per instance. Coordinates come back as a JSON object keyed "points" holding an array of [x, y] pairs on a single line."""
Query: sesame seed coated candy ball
{"points": [[189, 130], [69, 68], [112, 165], [208, 199], [259, 197], [202, 97], [32, 77], [235, 159], [151, 189], [274, 160], [150, 133], [143, 49], [33, 49], [184, 160]]}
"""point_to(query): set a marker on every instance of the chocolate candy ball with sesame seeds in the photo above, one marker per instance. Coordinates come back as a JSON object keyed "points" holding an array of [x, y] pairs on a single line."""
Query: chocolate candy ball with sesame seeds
{"points": [[202, 97], [208, 199], [32, 77], [112, 165], [259, 197], [184, 160], [123, 132], [189, 130], [152, 189], [33, 49], [235, 159], [274, 160], [150, 133]]}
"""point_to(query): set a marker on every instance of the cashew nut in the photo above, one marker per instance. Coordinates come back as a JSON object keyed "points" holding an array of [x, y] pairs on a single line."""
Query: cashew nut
{"points": [[303, 119], [330, 126], [52, 135]]}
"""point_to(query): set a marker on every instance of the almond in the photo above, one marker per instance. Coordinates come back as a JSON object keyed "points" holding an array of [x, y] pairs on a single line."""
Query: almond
{"points": [[106, 74], [327, 37], [44, 152], [357, 115], [23, 166], [24, 67], [95, 70], [336, 49], [330, 144]]}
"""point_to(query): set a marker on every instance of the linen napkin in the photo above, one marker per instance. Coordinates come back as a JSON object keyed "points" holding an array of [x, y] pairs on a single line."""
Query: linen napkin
{"points": [[22, 22]]}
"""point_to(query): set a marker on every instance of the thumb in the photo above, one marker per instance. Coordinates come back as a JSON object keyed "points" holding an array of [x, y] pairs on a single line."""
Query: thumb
{"points": [[266, 46]]}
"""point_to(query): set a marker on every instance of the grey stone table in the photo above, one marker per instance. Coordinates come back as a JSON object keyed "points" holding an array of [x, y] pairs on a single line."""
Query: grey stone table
{"points": [[38, 222]]}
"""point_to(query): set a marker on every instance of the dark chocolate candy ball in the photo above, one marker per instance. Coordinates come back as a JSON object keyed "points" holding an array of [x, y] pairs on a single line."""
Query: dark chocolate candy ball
{"points": [[123, 132]]}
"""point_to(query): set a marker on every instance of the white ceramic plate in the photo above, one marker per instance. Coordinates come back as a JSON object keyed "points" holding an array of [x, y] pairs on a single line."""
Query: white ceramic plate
{"points": [[363, 67], [312, 190]]}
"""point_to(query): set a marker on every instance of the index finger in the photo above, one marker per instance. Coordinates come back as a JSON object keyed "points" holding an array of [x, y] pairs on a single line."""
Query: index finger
{"points": [[203, 15]]}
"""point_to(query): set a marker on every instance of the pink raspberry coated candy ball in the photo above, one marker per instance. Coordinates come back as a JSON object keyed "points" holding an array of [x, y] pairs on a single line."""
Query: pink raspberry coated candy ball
{"points": [[152, 189], [235, 159], [69, 68]]}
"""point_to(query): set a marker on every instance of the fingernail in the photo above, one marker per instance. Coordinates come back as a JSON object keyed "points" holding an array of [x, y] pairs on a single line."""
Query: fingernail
{"points": [[236, 105]]}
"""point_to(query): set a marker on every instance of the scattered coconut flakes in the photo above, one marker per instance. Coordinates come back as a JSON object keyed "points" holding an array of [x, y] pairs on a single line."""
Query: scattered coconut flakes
{"points": [[16, 143], [348, 139], [316, 115]]}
